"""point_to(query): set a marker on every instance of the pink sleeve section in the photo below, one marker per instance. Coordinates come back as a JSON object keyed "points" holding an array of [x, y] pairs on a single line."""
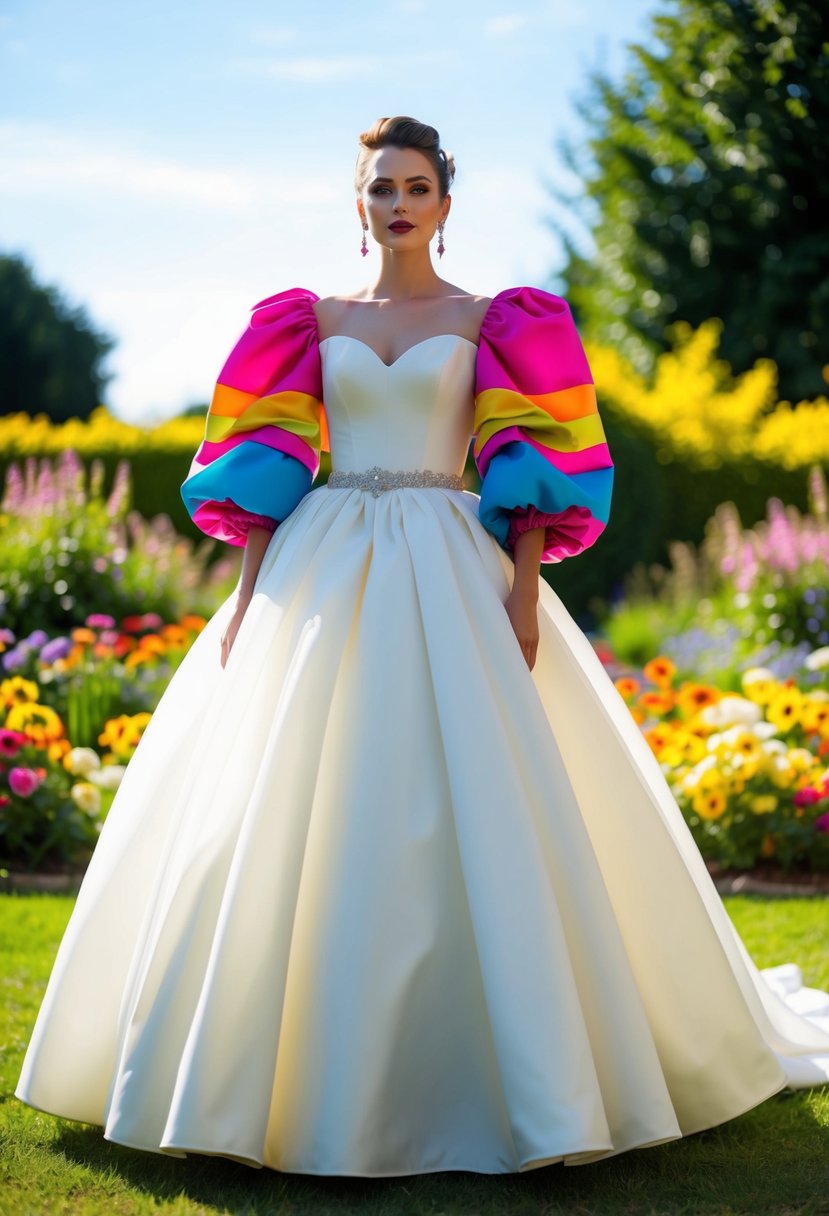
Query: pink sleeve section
{"points": [[230, 523], [567, 532], [286, 322], [271, 437], [529, 344]]}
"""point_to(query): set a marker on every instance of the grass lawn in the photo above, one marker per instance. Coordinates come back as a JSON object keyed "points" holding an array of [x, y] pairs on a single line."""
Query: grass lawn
{"points": [[772, 1159]]}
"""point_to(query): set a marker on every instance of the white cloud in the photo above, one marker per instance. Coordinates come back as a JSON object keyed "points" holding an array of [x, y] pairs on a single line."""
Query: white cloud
{"points": [[498, 27], [274, 35], [328, 69], [40, 159]]}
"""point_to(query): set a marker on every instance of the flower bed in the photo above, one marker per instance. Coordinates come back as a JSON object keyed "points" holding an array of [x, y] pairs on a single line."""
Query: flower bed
{"points": [[72, 711], [748, 768]]}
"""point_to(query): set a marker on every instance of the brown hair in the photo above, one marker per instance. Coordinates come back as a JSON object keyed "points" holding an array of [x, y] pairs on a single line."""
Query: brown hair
{"points": [[404, 132]]}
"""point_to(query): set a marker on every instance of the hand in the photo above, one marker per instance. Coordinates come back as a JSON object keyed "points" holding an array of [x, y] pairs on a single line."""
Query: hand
{"points": [[229, 635], [521, 605]]}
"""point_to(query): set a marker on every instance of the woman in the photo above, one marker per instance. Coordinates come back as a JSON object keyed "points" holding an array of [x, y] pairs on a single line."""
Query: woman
{"points": [[393, 884]]}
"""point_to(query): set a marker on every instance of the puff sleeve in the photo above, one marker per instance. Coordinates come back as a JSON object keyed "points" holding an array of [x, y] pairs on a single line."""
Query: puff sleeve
{"points": [[265, 425], [539, 443]]}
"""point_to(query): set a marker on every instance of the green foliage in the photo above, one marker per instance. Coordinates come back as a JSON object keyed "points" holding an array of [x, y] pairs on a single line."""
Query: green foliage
{"points": [[67, 551], [50, 355], [707, 188]]}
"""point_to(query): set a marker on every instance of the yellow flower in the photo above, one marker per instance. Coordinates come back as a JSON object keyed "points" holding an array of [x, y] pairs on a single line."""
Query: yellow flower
{"points": [[801, 759], [42, 725], [122, 734], [660, 670], [759, 684], [16, 690], [785, 708], [814, 717], [709, 804], [764, 804]]}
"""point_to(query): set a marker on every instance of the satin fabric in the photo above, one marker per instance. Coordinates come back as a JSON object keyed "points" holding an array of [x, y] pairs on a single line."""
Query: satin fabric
{"points": [[375, 899]]}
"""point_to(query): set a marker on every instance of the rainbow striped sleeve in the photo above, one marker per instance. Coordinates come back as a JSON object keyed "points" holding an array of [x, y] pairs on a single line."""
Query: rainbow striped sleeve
{"points": [[539, 445], [265, 425]]}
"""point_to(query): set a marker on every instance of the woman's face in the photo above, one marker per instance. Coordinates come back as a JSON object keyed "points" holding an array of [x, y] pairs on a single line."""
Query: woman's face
{"points": [[401, 184]]}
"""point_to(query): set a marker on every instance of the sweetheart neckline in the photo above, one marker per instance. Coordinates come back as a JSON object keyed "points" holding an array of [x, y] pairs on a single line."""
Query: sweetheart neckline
{"points": [[402, 355]]}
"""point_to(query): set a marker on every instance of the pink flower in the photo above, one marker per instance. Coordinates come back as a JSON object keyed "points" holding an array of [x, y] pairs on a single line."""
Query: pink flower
{"points": [[822, 822], [99, 620], [23, 782], [11, 741], [808, 796]]}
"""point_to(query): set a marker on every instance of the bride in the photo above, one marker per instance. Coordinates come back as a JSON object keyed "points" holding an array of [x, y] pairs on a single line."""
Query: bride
{"points": [[393, 884]]}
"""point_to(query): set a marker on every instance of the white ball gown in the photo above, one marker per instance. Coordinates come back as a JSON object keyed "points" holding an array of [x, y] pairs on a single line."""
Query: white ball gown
{"points": [[375, 898]]}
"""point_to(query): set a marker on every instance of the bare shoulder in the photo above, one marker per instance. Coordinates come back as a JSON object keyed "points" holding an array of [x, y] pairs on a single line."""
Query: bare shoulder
{"points": [[329, 311]]}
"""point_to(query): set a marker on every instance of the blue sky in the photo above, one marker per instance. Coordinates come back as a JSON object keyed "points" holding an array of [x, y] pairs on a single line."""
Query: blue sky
{"points": [[168, 164]]}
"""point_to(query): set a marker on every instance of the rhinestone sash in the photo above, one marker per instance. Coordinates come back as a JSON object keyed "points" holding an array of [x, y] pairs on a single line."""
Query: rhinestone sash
{"points": [[376, 479]]}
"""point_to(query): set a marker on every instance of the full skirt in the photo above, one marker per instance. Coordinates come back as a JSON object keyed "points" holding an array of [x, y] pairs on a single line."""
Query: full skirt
{"points": [[376, 899]]}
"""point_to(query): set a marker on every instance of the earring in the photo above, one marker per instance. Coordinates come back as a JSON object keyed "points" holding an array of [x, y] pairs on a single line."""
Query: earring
{"points": [[364, 246], [441, 245]]}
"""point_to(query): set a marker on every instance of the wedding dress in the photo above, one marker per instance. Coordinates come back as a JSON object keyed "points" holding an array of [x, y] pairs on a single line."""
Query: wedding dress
{"points": [[375, 898]]}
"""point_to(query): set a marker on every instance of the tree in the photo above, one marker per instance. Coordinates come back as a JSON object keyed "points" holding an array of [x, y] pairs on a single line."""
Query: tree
{"points": [[708, 188], [50, 355]]}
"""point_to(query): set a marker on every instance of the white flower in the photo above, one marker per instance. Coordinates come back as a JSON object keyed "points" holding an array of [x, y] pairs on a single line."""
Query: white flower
{"points": [[774, 747], [82, 761], [109, 777], [731, 710], [86, 796], [818, 659]]}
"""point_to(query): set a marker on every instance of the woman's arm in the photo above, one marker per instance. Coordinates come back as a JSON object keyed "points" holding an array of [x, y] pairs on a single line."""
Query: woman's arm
{"points": [[521, 603], [257, 542]]}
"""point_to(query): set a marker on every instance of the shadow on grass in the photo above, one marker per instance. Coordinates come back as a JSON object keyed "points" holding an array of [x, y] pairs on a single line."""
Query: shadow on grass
{"points": [[771, 1159]]}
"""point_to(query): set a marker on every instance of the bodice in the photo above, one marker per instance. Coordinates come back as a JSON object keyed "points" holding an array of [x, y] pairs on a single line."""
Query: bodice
{"points": [[416, 413]]}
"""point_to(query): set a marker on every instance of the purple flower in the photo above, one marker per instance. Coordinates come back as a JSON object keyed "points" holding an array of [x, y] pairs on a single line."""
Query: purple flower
{"points": [[822, 822], [58, 648], [12, 659], [23, 782], [37, 638]]}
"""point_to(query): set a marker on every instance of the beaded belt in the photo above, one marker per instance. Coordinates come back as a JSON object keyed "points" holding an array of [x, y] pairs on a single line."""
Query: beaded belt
{"points": [[377, 479]]}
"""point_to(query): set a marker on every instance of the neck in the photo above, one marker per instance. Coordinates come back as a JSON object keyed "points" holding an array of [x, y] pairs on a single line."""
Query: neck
{"points": [[405, 276]]}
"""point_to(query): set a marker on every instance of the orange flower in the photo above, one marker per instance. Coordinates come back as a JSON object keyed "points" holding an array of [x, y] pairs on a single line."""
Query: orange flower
{"points": [[657, 702], [767, 847], [83, 635], [175, 636], [660, 670], [628, 686], [192, 621], [57, 749], [659, 737], [691, 698]]}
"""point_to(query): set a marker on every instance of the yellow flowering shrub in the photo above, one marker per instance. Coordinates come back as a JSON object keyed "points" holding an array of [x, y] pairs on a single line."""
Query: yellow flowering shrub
{"points": [[697, 411]]}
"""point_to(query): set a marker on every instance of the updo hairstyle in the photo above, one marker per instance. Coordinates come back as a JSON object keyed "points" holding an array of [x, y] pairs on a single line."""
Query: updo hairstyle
{"points": [[404, 132]]}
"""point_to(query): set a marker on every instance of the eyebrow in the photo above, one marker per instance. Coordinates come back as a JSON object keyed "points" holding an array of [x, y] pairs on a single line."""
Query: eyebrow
{"points": [[419, 177]]}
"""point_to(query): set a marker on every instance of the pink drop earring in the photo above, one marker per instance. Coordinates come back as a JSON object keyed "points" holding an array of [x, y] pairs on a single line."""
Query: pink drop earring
{"points": [[441, 245], [364, 246]]}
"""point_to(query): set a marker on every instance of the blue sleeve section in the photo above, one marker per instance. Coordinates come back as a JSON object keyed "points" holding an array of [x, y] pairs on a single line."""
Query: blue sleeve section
{"points": [[256, 477], [519, 476]]}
